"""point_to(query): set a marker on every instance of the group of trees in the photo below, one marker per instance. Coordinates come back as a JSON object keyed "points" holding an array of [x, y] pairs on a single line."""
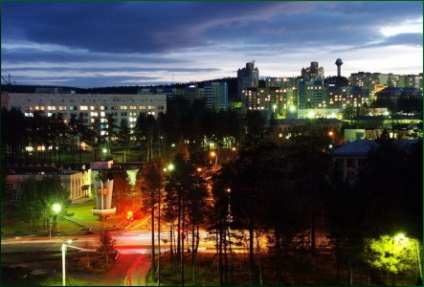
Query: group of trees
{"points": [[38, 198], [186, 124], [286, 191], [385, 200]]}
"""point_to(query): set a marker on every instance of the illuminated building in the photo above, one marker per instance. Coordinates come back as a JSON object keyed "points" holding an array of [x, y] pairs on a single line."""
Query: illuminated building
{"points": [[91, 108], [247, 77]]}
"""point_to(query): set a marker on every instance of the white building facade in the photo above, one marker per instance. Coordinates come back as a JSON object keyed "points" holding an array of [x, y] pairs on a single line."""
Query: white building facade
{"points": [[77, 182], [91, 107]]}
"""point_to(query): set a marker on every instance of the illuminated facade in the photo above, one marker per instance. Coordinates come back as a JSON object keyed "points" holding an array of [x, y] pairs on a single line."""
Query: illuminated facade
{"points": [[247, 77], [312, 95], [91, 108], [78, 182], [216, 95], [313, 73], [272, 99]]}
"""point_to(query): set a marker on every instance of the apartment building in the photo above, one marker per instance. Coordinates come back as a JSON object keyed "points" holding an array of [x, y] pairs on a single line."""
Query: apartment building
{"points": [[246, 78], [272, 99], [90, 107], [216, 95]]}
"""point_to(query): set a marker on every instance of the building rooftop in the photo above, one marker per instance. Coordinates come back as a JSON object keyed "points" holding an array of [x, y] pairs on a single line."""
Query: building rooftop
{"points": [[363, 147]]}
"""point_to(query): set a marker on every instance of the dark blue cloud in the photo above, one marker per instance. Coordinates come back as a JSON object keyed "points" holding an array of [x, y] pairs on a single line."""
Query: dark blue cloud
{"points": [[148, 27], [156, 34]]}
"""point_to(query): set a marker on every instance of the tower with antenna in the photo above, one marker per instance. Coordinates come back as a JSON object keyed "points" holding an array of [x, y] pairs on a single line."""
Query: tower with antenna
{"points": [[339, 64]]}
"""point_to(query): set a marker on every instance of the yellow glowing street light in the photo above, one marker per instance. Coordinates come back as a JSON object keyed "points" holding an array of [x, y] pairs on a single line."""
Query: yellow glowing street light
{"points": [[401, 239], [213, 154]]}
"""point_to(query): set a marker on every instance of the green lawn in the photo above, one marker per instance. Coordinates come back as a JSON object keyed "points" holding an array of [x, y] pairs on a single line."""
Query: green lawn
{"points": [[20, 228], [83, 211], [17, 227]]}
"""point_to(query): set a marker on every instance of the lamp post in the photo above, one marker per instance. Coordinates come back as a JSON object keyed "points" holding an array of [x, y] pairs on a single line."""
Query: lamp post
{"points": [[56, 209], [213, 154], [64, 248], [169, 168], [398, 239], [420, 271]]}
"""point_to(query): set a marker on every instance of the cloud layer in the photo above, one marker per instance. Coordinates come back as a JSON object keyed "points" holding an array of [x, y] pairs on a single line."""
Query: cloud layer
{"points": [[88, 44]]}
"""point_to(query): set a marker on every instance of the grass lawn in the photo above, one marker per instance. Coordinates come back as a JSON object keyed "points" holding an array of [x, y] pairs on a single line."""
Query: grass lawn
{"points": [[20, 228], [17, 227], [83, 210]]}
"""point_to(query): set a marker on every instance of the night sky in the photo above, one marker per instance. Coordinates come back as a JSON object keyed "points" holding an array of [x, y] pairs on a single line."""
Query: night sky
{"points": [[101, 44]]}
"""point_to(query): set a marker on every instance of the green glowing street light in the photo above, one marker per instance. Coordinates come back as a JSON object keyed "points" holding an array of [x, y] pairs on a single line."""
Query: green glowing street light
{"points": [[401, 239], [56, 208]]}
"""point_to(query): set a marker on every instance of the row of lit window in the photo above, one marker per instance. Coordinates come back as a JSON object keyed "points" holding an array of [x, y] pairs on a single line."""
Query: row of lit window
{"points": [[92, 108]]}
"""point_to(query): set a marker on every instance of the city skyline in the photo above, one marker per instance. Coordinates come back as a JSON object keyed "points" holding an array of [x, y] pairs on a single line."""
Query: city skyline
{"points": [[148, 43]]}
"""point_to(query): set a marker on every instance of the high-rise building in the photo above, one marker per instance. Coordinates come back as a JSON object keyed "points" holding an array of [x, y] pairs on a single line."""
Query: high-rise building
{"points": [[270, 100], [312, 95], [247, 77], [216, 95], [366, 79], [313, 73]]}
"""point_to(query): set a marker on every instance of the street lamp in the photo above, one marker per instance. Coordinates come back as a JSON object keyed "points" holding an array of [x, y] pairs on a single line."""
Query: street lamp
{"points": [[399, 238], [213, 154], [64, 248], [56, 209]]}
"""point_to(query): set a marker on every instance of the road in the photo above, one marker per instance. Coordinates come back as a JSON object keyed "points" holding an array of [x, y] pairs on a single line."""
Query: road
{"points": [[126, 242], [42, 254]]}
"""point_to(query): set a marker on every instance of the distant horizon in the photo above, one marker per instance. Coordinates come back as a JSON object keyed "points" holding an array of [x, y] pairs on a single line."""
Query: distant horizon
{"points": [[103, 44], [182, 83]]}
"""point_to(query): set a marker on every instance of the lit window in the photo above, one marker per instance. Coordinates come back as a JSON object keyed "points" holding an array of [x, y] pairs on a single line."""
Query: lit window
{"points": [[83, 108]]}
